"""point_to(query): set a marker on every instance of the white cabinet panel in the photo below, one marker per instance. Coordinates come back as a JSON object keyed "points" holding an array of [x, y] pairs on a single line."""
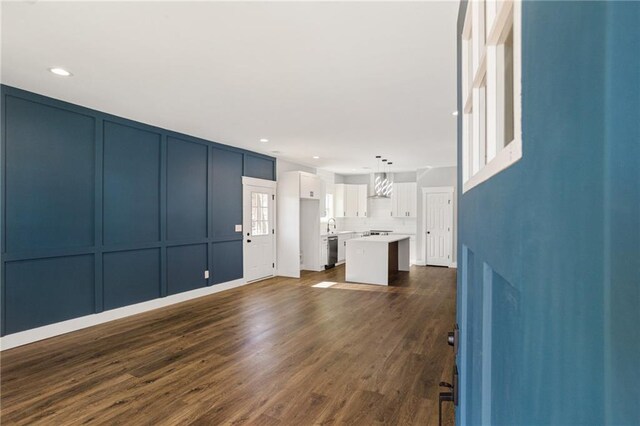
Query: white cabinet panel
{"points": [[324, 251], [310, 186], [404, 199], [362, 201], [351, 200], [342, 245]]}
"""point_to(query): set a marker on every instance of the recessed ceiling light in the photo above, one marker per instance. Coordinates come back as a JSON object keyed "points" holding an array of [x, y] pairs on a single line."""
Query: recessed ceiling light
{"points": [[315, 157], [60, 71], [264, 140], [454, 113]]}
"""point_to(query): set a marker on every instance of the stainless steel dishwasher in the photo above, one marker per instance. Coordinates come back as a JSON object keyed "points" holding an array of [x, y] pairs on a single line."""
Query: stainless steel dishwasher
{"points": [[332, 255]]}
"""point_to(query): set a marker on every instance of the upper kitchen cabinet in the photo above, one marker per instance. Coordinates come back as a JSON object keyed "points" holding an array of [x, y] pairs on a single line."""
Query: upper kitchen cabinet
{"points": [[350, 200], [311, 186], [362, 200], [404, 200]]}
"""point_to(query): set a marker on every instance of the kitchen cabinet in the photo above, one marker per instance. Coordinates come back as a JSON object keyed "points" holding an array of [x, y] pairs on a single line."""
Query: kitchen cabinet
{"points": [[350, 200], [324, 250], [300, 204], [342, 245], [362, 200], [310, 186], [404, 199]]}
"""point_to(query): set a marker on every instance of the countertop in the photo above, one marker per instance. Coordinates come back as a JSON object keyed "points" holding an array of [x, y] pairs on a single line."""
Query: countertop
{"points": [[380, 238], [325, 234]]}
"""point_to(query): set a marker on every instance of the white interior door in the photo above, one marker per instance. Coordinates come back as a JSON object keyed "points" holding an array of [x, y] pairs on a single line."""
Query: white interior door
{"points": [[258, 232], [439, 215]]}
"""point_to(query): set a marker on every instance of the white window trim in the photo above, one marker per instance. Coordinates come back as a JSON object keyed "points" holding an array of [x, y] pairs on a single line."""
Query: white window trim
{"points": [[512, 152]]}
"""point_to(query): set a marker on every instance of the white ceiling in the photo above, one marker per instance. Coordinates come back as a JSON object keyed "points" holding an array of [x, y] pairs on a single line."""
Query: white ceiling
{"points": [[341, 80]]}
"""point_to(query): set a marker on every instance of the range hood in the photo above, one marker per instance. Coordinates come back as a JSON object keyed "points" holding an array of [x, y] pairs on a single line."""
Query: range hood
{"points": [[382, 184]]}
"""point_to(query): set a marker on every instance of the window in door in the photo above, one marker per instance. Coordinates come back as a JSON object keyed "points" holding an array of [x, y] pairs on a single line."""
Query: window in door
{"points": [[491, 121], [259, 213]]}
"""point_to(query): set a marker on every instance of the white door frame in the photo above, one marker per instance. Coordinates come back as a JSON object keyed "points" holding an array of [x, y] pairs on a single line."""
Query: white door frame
{"points": [[437, 189], [271, 184]]}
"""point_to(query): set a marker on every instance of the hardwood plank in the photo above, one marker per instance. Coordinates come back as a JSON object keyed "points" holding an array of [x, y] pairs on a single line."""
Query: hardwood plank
{"points": [[275, 352]]}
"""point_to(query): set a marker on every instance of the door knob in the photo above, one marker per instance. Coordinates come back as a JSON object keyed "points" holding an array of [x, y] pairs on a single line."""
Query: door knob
{"points": [[453, 338], [428, 232]]}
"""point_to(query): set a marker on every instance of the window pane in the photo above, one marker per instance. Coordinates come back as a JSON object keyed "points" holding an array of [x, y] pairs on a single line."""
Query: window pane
{"points": [[259, 213], [484, 122], [508, 89]]}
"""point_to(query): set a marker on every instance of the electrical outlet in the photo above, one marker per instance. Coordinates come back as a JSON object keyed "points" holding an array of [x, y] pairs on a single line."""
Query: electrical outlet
{"points": [[206, 275]]}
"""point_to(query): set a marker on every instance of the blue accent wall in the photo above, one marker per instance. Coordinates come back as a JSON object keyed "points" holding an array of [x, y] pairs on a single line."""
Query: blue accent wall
{"points": [[131, 198], [101, 212], [558, 232]]}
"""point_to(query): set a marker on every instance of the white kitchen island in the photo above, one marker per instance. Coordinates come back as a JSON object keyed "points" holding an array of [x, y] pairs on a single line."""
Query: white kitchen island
{"points": [[376, 259]]}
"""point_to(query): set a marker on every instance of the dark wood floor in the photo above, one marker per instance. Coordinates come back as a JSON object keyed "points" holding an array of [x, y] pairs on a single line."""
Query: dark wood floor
{"points": [[275, 352]]}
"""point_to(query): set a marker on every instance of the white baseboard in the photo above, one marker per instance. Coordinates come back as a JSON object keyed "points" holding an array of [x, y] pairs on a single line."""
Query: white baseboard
{"points": [[421, 262], [33, 335]]}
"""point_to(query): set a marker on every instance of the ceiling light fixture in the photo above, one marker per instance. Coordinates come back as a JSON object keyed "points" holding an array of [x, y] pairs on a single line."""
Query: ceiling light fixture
{"points": [[264, 140], [454, 113], [315, 157], [60, 71], [382, 183]]}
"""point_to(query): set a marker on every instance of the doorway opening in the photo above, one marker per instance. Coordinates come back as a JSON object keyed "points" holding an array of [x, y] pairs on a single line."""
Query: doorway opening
{"points": [[258, 223]]}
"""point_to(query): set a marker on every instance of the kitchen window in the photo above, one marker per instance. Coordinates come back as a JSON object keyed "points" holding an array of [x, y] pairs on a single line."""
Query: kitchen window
{"points": [[328, 209], [491, 70]]}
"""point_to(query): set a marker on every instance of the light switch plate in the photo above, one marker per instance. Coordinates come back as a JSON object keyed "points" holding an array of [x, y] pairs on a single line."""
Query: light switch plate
{"points": [[238, 228], [206, 275]]}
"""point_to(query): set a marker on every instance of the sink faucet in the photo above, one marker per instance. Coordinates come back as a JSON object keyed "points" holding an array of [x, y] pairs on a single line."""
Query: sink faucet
{"points": [[329, 224]]}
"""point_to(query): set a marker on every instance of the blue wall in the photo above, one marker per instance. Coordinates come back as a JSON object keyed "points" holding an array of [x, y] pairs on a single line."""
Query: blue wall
{"points": [[102, 212], [622, 215], [550, 247]]}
